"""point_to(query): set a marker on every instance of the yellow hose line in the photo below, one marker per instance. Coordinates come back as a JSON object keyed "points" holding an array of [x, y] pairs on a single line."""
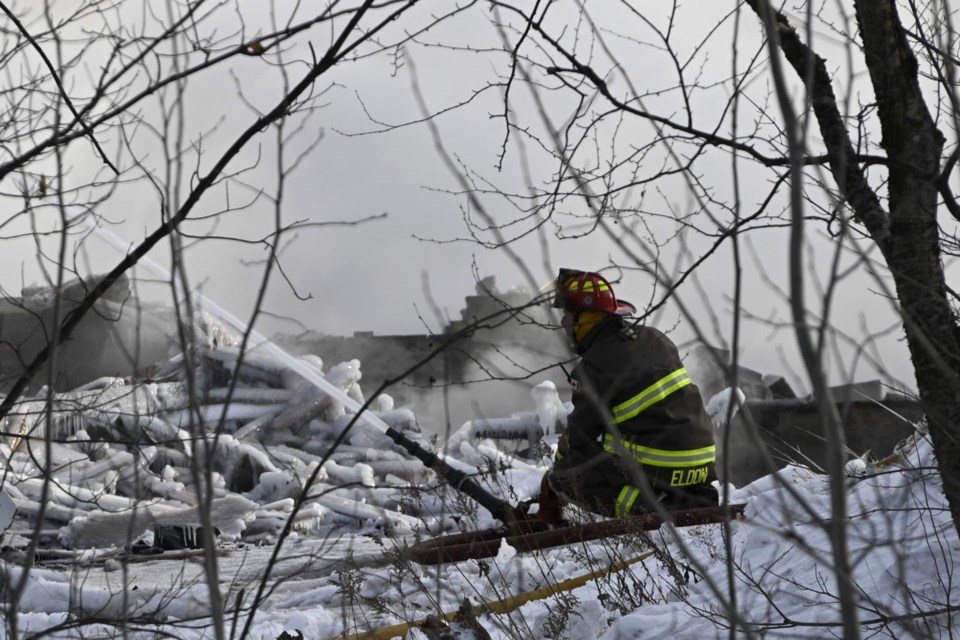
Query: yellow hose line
{"points": [[499, 606]]}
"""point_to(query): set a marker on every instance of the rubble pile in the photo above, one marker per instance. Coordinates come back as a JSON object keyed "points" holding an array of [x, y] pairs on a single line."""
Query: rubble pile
{"points": [[118, 461]]}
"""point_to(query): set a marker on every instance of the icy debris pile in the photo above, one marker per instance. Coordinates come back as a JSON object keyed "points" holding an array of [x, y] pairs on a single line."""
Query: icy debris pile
{"points": [[126, 458], [519, 433]]}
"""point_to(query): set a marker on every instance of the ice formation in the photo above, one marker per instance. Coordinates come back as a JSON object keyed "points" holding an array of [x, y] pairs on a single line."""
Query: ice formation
{"points": [[723, 406], [125, 457], [522, 430], [254, 436]]}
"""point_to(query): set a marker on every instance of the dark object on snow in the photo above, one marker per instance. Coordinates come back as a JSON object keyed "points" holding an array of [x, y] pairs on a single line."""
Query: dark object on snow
{"points": [[13, 556], [174, 537], [533, 533], [463, 625]]}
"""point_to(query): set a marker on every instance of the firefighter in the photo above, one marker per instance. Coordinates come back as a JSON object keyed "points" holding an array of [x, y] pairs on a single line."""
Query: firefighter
{"points": [[638, 432]]}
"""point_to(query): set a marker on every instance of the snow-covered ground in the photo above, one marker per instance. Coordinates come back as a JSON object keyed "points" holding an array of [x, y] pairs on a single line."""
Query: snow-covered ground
{"points": [[121, 462]]}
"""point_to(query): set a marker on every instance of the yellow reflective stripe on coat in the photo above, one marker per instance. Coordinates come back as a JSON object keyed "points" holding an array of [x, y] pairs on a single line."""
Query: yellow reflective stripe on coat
{"points": [[625, 501], [661, 457], [651, 395]]}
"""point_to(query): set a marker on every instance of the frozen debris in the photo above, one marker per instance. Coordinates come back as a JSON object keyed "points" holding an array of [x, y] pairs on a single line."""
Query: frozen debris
{"points": [[175, 537], [256, 428], [61, 415], [358, 473], [272, 518], [211, 332], [550, 410], [130, 457], [345, 376], [273, 486], [860, 466], [101, 529], [247, 395], [723, 406], [369, 513], [505, 555], [303, 409], [294, 381], [383, 403], [503, 460], [251, 368], [309, 403], [520, 432]]}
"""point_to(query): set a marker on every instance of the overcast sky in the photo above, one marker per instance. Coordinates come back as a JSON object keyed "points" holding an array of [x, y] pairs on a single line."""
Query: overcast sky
{"points": [[383, 274]]}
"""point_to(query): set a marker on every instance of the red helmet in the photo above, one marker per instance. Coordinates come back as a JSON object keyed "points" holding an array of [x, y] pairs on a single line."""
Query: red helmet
{"points": [[586, 291]]}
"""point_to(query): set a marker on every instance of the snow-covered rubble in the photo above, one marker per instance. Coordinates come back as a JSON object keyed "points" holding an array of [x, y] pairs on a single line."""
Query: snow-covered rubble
{"points": [[520, 431], [110, 463], [103, 475]]}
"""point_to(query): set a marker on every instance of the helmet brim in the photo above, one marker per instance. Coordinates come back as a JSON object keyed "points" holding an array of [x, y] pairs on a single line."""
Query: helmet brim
{"points": [[625, 308]]}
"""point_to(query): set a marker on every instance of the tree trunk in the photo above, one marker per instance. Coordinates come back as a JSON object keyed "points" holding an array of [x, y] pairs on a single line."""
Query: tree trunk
{"points": [[914, 145], [908, 236]]}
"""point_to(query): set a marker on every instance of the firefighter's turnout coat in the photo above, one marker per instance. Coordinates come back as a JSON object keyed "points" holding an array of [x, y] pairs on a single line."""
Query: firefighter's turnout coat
{"points": [[636, 418]]}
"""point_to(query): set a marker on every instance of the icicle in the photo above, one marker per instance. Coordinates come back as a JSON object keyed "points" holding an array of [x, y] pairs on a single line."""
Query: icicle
{"points": [[719, 409], [550, 410]]}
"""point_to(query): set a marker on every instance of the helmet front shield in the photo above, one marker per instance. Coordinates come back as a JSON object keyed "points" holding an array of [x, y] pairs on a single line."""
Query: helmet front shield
{"points": [[560, 300]]}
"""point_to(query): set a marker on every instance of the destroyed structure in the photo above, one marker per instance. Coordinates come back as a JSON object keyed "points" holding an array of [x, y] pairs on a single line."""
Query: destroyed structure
{"points": [[496, 364], [482, 366]]}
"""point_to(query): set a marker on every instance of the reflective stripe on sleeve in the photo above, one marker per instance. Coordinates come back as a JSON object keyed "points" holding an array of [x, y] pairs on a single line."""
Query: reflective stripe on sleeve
{"points": [[651, 395], [625, 501], [661, 457]]}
